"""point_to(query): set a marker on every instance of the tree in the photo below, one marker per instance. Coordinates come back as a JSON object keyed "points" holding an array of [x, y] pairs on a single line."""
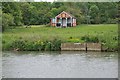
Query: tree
{"points": [[13, 9], [0, 17], [0, 20], [32, 13], [26, 0], [7, 21], [26, 13], [94, 13], [57, 4]]}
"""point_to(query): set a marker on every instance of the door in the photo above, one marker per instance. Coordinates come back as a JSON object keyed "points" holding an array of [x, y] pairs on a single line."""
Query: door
{"points": [[64, 22]]}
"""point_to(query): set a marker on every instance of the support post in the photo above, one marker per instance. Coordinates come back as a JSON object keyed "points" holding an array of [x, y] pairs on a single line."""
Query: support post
{"points": [[66, 22], [61, 22], [55, 22], [71, 21]]}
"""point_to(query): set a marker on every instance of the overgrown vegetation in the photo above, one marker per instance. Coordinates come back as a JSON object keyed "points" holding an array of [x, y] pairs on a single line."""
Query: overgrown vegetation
{"points": [[39, 13], [50, 38], [24, 45], [19, 34]]}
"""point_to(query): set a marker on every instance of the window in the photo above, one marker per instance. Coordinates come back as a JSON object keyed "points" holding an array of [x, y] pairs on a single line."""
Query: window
{"points": [[59, 20], [74, 20], [53, 20], [63, 15]]}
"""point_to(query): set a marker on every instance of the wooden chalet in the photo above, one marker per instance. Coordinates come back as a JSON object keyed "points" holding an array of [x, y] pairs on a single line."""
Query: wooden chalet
{"points": [[63, 20]]}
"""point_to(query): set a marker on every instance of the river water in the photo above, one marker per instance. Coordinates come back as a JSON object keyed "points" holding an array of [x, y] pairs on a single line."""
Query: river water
{"points": [[65, 64]]}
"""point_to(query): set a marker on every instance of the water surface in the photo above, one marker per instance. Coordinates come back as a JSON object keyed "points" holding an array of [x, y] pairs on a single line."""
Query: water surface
{"points": [[65, 64]]}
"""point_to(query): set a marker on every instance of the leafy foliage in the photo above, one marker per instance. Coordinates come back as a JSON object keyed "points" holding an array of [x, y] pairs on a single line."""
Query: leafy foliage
{"points": [[44, 38], [88, 38], [23, 45], [39, 13], [7, 21]]}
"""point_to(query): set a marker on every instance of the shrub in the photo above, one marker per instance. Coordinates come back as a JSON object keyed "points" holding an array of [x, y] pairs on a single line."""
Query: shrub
{"points": [[6, 46], [3, 41], [30, 46], [90, 39], [7, 21], [48, 46], [39, 45], [56, 44], [109, 42], [18, 44], [94, 39], [75, 40]]}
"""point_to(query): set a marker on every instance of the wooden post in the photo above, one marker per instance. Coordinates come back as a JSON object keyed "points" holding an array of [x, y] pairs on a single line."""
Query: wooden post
{"points": [[86, 47], [75, 22], [72, 22], [66, 22], [61, 22], [55, 22], [50, 22]]}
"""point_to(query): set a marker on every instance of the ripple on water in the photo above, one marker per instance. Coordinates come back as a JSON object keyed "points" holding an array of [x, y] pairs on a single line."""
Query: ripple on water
{"points": [[67, 64]]}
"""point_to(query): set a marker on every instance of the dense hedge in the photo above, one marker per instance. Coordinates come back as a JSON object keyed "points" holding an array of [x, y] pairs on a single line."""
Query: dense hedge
{"points": [[22, 45]]}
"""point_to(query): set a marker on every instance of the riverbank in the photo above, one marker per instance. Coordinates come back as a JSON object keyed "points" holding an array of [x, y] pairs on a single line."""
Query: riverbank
{"points": [[50, 38]]}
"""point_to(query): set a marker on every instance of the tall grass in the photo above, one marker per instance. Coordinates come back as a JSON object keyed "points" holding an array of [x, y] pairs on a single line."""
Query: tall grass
{"points": [[106, 33]]}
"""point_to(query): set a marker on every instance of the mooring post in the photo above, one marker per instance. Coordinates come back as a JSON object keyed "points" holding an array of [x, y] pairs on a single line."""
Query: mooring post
{"points": [[86, 47]]}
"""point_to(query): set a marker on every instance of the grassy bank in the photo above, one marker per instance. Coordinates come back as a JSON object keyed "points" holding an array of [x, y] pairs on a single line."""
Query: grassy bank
{"points": [[107, 34]]}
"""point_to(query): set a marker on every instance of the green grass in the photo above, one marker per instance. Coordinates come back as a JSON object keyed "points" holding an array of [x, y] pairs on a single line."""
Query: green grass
{"points": [[103, 31]]}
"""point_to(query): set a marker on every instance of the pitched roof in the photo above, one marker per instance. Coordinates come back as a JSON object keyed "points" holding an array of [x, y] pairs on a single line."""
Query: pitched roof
{"points": [[66, 13]]}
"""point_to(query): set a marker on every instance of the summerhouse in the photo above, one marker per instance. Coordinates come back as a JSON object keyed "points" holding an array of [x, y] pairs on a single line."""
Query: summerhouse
{"points": [[64, 20]]}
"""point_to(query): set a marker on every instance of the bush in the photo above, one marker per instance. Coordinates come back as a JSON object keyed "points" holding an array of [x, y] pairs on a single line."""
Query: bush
{"points": [[75, 40], [56, 45], [18, 45], [48, 46], [7, 21], [6, 47], [39, 45], [87, 38], [21, 45], [29, 46]]}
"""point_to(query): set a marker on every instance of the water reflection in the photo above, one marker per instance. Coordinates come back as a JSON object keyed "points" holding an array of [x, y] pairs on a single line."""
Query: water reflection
{"points": [[65, 64]]}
